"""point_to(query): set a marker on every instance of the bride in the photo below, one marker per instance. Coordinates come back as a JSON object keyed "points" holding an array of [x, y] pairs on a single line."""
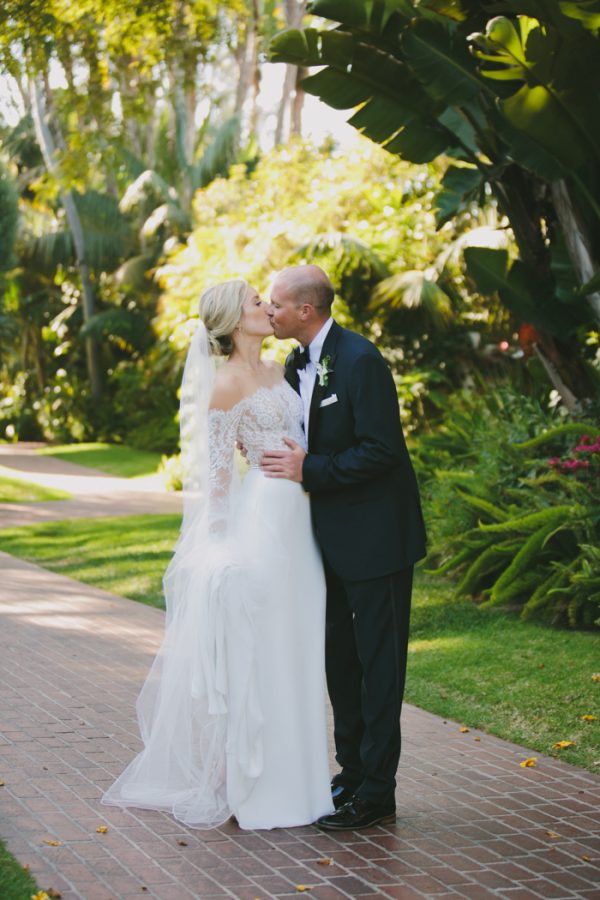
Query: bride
{"points": [[232, 713]]}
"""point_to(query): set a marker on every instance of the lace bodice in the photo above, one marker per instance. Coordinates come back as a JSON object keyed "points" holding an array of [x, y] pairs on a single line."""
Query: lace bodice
{"points": [[259, 422]]}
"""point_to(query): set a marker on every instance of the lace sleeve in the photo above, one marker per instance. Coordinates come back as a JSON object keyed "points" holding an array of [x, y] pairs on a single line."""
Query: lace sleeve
{"points": [[222, 428]]}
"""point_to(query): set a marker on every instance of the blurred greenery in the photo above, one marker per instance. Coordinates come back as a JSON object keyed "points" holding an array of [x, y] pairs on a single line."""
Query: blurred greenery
{"points": [[461, 232], [115, 459], [16, 490]]}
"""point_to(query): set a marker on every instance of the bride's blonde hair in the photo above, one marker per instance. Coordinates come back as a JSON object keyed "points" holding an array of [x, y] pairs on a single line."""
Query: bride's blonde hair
{"points": [[221, 310]]}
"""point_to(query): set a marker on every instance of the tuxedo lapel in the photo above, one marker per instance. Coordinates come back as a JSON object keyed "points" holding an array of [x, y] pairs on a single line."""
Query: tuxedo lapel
{"points": [[291, 374], [319, 390]]}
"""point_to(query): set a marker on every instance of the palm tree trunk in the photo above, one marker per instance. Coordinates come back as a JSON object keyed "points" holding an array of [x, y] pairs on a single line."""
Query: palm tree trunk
{"points": [[576, 239], [560, 358], [297, 103], [294, 13], [249, 73], [48, 149]]}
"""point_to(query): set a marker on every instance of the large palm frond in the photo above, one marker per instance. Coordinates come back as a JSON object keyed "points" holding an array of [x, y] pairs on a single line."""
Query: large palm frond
{"points": [[353, 265], [132, 273], [146, 192], [418, 295], [218, 156], [484, 236], [127, 329], [9, 215]]}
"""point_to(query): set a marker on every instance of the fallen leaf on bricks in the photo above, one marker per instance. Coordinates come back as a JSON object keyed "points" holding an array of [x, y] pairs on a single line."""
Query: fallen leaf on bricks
{"points": [[562, 745], [587, 858], [529, 763], [2, 783], [552, 834], [182, 843], [26, 867], [54, 895], [102, 829], [302, 887], [463, 729], [324, 862], [52, 843], [476, 738]]}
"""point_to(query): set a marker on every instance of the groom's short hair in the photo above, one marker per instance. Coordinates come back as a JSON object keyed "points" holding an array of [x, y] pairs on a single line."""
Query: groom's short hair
{"points": [[320, 295], [311, 285]]}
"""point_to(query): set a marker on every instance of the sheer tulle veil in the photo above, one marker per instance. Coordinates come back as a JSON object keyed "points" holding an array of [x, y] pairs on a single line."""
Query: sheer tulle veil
{"points": [[190, 753]]}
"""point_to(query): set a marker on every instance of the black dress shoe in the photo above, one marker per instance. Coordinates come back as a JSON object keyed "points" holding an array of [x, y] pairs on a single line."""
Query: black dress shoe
{"points": [[340, 795], [357, 814]]}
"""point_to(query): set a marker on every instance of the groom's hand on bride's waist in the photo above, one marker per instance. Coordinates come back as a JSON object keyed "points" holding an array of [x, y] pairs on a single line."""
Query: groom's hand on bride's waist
{"points": [[284, 463]]}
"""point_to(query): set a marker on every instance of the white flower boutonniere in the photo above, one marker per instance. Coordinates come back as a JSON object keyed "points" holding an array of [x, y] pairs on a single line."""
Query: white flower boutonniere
{"points": [[324, 370]]}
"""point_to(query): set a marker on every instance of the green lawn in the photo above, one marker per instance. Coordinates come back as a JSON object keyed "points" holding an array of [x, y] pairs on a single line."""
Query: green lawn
{"points": [[15, 882], [112, 458], [126, 555], [14, 490], [523, 681]]}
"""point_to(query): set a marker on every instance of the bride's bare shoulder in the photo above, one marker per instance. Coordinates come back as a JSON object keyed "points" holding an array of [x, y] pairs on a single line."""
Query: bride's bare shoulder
{"points": [[228, 388]]}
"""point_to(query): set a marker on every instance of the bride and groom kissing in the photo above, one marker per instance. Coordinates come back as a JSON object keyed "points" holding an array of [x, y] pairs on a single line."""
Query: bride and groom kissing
{"points": [[297, 577]]}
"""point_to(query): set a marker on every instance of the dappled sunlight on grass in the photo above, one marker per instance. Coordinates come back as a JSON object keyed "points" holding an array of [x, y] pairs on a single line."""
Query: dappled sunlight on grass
{"points": [[436, 644], [18, 490], [115, 459], [125, 555]]}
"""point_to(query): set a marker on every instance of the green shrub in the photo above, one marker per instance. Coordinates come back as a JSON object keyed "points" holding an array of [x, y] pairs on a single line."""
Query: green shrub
{"points": [[515, 516]]}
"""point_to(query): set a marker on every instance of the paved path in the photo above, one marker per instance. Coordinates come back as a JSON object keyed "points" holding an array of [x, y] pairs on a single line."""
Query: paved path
{"points": [[94, 493], [471, 822]]}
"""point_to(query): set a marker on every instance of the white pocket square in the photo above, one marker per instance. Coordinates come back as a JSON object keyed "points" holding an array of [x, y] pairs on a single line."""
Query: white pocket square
{"points": [[328, 401]]}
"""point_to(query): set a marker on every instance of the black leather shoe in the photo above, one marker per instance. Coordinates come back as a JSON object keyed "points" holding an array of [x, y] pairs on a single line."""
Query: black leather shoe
{"points": [[357, 814], [340, 795]]}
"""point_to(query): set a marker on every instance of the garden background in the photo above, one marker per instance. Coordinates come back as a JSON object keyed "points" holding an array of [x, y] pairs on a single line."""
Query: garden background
{"points": [[149, 150]]}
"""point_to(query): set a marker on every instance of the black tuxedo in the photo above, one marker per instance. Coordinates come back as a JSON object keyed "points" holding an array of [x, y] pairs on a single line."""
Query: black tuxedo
{"points": [[367, 519]]}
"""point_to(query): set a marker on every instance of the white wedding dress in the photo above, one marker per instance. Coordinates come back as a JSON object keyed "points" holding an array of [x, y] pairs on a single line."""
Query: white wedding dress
{"points": [[232, 714]]}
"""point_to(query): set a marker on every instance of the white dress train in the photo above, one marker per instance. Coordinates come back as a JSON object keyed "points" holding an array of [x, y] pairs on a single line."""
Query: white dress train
{"points": [[232, 713]]}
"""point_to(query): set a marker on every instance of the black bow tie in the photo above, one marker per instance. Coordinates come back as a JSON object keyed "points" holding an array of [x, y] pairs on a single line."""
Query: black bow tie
{"points": [[301, 358]]}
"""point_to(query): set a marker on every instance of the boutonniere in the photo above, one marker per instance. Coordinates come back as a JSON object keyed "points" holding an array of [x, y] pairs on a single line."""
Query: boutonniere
{"points": [[324, 370]]}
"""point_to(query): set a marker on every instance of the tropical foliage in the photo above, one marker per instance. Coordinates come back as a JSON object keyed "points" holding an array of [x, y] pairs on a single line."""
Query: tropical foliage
{"points": [[122, 119], [461, 231], [509, 91], [514, 506]]}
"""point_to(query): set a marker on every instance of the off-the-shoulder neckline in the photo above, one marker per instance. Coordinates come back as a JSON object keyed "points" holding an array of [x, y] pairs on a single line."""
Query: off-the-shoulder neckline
{"points": [[263, 387]]}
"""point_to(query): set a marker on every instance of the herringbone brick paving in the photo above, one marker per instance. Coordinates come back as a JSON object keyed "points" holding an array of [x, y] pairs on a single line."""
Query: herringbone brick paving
{"points": [[471, 822]]}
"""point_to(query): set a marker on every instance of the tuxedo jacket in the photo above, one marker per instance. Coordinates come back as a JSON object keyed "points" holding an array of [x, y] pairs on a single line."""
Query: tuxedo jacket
{"points": [[364, 496]]}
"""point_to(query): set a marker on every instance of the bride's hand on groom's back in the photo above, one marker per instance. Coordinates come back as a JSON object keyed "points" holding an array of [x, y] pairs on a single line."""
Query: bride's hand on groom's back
{"points": [[284, 463]]}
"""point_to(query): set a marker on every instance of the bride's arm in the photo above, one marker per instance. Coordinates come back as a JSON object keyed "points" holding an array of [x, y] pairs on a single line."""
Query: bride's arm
{"points": [[222, 429]]}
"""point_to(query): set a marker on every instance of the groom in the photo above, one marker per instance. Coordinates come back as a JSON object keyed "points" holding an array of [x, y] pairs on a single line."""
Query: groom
{"points": [[367, 519]]}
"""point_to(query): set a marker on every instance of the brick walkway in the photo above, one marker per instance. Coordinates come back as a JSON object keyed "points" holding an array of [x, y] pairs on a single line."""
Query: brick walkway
{"points": [[471, 822]]}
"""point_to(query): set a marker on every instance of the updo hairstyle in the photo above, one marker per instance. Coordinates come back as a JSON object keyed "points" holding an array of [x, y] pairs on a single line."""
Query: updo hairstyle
{"points": [[221, 309]]}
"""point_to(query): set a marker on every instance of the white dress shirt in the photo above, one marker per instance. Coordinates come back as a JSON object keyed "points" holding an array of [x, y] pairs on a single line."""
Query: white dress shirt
{"points": [[308, 375]]}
